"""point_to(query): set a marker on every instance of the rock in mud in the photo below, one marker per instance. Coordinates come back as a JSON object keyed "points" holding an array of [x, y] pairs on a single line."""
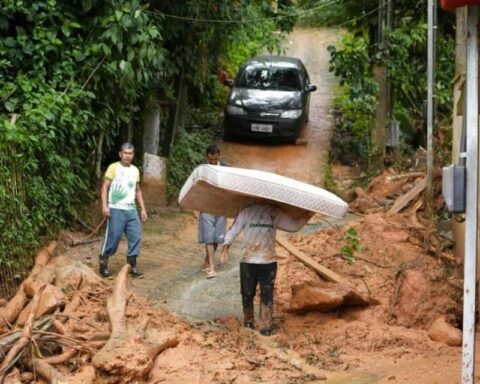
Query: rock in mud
{"points": [[323, 297], [70, 274], [443, 332], [413, 295]]}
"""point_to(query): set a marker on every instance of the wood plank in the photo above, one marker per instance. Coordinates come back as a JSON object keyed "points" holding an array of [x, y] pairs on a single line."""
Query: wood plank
{"points": [[324, 272], [405, 176], [405, 199]]}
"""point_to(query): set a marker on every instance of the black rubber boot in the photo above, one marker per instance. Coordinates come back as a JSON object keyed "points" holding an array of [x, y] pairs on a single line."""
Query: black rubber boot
{"points": [[249, 324], [132, 260], [103, 270], [266, 332]]}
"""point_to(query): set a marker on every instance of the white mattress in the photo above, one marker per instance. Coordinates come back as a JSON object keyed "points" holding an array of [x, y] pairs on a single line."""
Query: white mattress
{"points": [[225, 190]]}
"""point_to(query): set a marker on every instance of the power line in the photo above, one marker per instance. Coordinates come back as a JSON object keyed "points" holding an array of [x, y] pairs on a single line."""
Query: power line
{"points": [[247, 21], [360, 17]]}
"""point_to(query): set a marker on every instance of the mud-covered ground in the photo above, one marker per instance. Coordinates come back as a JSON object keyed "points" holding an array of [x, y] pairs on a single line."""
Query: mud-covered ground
{"points": [[394, 264]]}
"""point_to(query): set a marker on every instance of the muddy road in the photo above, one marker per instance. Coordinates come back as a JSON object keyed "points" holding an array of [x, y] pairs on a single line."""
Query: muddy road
{"points": [[349, 346], [171, 257], [306, 160]]}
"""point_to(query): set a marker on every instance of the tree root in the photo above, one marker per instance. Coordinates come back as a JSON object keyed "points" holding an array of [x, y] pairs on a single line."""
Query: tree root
{"points": [[127, 358], [20, 345]]}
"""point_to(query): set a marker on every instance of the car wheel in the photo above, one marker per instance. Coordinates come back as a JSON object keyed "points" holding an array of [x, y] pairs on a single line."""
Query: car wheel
{"points": [[227, 136]]}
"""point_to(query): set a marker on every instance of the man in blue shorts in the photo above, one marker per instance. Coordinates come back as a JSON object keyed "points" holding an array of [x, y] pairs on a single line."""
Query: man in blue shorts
{"points": [[211, 228]]}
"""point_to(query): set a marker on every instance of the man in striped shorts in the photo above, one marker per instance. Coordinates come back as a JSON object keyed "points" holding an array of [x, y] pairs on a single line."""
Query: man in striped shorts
{"points": [[258, 264], [120, 189], [211, 228]]}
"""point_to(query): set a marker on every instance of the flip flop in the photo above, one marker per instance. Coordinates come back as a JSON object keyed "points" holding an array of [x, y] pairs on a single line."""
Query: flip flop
{"points": [[211, 274]]}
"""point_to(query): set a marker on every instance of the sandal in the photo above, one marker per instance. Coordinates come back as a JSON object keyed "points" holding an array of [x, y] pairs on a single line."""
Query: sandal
{"points": [[211, 274]]}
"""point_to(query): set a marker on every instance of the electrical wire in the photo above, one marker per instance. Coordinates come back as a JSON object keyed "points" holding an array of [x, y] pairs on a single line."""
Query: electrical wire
{"points": [[247, 21]]}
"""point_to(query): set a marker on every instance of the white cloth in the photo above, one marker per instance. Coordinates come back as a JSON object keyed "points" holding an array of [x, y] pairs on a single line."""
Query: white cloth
{"points": [[259, 224]]}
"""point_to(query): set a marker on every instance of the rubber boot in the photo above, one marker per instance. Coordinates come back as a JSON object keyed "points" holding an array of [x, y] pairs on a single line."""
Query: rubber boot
{"points": [[132, 260], [103, 270], [248, 319], [266, 317]]}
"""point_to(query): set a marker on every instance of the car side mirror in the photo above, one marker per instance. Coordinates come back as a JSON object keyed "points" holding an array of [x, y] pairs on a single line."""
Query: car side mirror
{"points": [[228, 82], [310, 88]]}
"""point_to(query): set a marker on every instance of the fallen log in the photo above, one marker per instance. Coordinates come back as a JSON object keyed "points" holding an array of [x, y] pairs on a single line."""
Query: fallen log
{"points": [[10, 312], [127, 357], [324, 272], [14, 352], [52, 298]]}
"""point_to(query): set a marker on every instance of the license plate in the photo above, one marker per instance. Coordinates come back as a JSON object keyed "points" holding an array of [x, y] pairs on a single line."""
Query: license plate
{"points": [[262, 128]]}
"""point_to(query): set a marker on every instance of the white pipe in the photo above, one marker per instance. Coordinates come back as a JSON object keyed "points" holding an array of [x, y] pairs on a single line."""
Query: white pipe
{"points": [[430, 96], [471, 223]]}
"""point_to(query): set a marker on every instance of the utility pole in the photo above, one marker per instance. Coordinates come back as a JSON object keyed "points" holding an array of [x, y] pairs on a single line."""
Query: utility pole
{"points": [[471, 222], [432, 27]]}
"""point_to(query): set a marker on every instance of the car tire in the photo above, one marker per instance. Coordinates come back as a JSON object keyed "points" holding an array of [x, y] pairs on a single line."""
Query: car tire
{"points": [[227, 136]]}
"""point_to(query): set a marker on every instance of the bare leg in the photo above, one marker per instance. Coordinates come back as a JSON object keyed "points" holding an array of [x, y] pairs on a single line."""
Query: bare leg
{"points": [[206, 264], [210, 255]]}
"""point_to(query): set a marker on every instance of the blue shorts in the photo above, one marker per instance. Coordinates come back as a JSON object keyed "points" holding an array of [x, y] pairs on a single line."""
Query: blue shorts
{"points": [[211, 228]]}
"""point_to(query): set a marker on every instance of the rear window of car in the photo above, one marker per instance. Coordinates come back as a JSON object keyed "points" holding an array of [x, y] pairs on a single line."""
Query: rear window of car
{"points": [[271, 78]]}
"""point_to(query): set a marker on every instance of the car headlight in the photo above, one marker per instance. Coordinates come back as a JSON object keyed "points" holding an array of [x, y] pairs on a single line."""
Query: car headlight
{"points": [[233, 110], [293, 114]]}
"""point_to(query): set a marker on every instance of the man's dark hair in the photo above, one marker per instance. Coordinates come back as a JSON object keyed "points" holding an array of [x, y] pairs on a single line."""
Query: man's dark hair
{"points": [[212, 150], [127, 146]]}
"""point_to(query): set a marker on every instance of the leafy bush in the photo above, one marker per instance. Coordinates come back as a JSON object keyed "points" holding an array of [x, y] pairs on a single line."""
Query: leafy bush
{"points": [[72, 71], [202, 129], [357, 100]]}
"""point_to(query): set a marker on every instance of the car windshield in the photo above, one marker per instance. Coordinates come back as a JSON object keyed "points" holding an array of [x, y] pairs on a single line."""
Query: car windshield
{"points": [[272, 78]]}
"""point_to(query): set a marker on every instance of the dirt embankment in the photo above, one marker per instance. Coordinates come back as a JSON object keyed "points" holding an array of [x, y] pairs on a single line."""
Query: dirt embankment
{"points": [[93, 331]]}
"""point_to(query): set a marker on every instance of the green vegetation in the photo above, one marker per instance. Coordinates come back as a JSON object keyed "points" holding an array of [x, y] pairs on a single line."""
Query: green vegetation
{"points": [[78, 74], [402, 51], [351, 239]]}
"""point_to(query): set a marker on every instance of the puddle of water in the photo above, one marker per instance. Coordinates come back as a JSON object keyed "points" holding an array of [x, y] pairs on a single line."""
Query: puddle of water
{"points": [[207, 299]]}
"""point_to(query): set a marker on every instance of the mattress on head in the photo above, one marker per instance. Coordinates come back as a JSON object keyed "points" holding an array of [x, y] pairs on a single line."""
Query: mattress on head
{"points": [[225, 190]]}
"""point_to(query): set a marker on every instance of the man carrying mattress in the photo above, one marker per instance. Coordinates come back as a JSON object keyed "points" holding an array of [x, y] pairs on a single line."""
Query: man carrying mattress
{"points": [[258, 264]]}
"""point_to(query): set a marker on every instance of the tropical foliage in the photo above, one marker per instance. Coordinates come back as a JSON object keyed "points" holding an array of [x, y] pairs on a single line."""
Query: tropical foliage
{"points": [[402, 50], [77, 75]]}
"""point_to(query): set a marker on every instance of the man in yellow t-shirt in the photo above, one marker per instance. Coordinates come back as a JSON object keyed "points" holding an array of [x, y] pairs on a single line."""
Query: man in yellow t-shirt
{"points": [[120, 189]]}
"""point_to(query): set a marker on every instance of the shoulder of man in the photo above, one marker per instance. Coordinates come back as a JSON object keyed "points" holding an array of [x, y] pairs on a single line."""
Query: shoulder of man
{"points": [[110, 172]]}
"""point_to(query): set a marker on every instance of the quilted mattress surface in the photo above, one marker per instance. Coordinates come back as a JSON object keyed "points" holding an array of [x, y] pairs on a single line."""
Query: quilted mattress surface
{"points": [[225, 190]]}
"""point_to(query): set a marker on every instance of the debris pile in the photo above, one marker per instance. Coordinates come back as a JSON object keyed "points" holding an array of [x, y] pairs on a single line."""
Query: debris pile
{"points": [[46, 335]]}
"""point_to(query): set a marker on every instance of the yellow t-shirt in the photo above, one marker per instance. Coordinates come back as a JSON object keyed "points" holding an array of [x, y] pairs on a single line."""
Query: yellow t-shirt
{"points": [[121, 194]]}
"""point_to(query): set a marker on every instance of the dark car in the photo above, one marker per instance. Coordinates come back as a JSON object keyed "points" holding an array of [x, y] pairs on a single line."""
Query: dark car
{"points": [[270, 97]]}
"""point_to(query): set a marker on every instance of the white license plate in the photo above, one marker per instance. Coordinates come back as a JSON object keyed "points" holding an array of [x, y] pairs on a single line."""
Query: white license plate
{"points": [[262, 128]]}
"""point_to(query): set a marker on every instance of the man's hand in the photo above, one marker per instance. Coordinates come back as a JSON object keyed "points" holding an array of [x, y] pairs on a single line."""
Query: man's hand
{"points": [[106, 211], [143, 215]]}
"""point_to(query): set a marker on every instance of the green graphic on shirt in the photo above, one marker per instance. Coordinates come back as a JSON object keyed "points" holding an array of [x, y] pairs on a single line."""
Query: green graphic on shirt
{"points": [[118, 194], [131, 184]]}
